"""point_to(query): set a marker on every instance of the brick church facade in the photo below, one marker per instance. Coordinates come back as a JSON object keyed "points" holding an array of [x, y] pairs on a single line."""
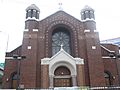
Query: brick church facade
{"points": [[61, 51]]}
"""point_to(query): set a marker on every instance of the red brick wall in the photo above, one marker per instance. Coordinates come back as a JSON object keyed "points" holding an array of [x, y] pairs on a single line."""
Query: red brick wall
{"points": [[28, 66], [95, 64], [110, 63], [9, 69], [80, 75], [44, 76]]}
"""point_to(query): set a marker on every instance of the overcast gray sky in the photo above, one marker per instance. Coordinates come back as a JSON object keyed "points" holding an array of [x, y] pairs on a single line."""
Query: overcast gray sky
{"points": [[12, 17]]}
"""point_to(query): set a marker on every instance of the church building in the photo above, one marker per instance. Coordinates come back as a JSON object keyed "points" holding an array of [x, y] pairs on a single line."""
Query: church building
{"points": [[61, 51]]}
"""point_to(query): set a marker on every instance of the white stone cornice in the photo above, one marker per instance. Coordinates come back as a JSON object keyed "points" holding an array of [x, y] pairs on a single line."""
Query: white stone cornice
{"points": [[107, 49], [33, 18], [45, 61], [29, 47], [93, 47], [79, 61], [85, 31], [87, 19], [107, 57], [35, 30]]}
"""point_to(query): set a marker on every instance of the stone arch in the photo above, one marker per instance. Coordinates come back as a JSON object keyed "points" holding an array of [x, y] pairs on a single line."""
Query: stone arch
{"points": [[58, 64], [60, 35], [66, 64], [13, 80], [73, 32], [108, 78], [62, 71]]}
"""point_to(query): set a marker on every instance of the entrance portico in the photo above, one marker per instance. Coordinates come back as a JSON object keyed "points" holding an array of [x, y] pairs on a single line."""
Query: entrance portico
{"points": [[62, 69], [63, 76]]}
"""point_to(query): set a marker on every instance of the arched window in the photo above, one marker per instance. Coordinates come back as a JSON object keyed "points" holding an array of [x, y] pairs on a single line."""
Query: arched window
{"points": [[62, 77], [60, 71], [14, 80], [108, 79], [60, 36]]}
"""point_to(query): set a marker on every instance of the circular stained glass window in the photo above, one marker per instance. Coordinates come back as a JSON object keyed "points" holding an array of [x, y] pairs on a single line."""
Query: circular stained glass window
{"points": [[60, 37]]}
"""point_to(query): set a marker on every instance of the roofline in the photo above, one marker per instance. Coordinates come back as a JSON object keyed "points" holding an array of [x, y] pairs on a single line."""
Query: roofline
{"points": [[65, 13], [14, 49], [107, 49], [110, 39], [110, 44]]}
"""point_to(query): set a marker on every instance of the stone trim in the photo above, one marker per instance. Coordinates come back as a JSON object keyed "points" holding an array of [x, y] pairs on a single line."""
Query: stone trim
{"points": [[67, 76], [29, 47], [88, 20], [45, 61], [79, 61], [93, 47], [66, 64], [35, 30], [107, 49], [107, 57], [33, 18], [85, 31]]}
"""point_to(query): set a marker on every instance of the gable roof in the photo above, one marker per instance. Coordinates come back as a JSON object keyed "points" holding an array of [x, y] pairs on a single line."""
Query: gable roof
{"points": [[62, 51], [110, 51], [115, 41], [15, 51], [61, 13]]}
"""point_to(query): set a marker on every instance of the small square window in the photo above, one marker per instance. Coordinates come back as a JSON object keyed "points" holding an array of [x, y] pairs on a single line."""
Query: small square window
{"points": [[29, 47]]}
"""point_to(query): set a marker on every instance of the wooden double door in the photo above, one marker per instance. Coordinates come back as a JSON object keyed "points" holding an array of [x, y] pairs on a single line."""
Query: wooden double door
{"points": [[62, 77], [62, 82]]}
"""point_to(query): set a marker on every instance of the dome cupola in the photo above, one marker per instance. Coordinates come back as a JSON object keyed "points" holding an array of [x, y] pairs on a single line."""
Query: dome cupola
{"points": [[32, 12], [87, 13]]}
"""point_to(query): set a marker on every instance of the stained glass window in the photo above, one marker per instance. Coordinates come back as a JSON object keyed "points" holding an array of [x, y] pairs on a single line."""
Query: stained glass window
{"points": [[60, 37]]}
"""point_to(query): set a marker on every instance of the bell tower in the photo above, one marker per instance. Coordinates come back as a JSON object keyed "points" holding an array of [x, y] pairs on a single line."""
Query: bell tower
{"points": [[93, 50], [32, 17], [88, 18], [28, 69]]}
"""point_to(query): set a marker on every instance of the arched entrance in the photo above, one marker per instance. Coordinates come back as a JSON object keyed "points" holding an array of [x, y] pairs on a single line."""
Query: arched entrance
{"points": [[14, 80], [62, 77], [108, 78], [62, 69]]}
